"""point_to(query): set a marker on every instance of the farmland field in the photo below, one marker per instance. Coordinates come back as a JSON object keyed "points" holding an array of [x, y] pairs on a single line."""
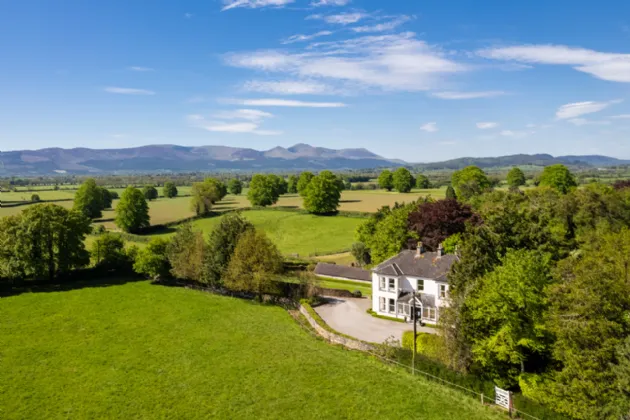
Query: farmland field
{"points": [[142, 351], [297, 233]]}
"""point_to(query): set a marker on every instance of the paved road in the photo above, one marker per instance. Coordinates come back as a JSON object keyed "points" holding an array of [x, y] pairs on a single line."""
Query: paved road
{"points": [[348, 316]]}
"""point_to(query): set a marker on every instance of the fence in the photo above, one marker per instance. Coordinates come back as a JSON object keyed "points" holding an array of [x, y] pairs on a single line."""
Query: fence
{"points": [[502, 399]]}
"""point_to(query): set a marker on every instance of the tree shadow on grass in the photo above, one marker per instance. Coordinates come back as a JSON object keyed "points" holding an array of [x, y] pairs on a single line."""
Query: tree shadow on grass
{"points": [[350, 201], [67, 284]]}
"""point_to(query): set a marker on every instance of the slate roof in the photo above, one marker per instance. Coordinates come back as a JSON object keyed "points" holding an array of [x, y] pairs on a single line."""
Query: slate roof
{"points": [[428, 301], [334, 270], [428, 265]]}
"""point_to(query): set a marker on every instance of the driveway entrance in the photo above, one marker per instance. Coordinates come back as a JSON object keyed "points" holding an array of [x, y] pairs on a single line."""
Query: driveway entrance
{"points": [[349, 316]]}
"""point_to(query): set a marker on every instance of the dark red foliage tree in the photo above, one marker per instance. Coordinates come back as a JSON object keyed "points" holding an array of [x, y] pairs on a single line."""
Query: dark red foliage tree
{"points": [[622, 184], [435, 221]]}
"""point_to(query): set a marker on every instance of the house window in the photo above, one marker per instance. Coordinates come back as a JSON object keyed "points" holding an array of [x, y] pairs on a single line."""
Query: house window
{"points": [[382, 283], [420, 285], [403, 308], [443, 289], [429, 314], [392, 285], [382, 304], [392, 306]]}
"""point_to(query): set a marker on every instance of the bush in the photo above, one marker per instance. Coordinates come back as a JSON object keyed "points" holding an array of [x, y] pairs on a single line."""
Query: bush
{"points": [[389, 318], [35, 198], [108, 251], [357, 294], [152, 261]]}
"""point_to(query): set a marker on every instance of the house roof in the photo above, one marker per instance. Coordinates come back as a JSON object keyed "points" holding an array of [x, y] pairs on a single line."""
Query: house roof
{"points": [[334, 270], [428, 301], [428, 265]]}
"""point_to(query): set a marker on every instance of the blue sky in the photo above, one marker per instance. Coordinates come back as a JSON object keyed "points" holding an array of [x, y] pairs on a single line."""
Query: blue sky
{"points": [[420, 81]]}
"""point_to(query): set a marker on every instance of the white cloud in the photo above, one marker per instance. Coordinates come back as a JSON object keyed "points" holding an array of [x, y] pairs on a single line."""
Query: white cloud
{"points": [[138, 68], [288, 103], [607, 66], [254, 4], [252, 119], [620, 117], [430, 127], [576, 109], [243, 114], [486, 125], [389, 62], [129, 91], [582, 121], [288, 87], [341, 18], [468, 95], [188, 15], [382, 27], [320, 3], [300, 37]]}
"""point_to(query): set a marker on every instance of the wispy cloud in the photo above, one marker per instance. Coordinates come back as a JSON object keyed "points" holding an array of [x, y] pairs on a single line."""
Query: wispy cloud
{"points": [[383, 27], [251, 120], [129, 91], [620, 117], [577, 109], [288, 103], [515, 134], [467, 95], [254, 4], [320, 3], [341, 18], [602, 65], [288, 87], [197, 99], [389, 62], [138, 68], [486, 125], [430, 127], [300, 37]]}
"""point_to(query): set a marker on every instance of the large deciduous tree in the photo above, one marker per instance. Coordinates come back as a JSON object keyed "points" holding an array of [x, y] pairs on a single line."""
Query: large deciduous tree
{"points": [[508, 307], [423, 182], [386, 180], [263, 191], [169, 190], [515, 178], [43, 241], [303, 181], [89, 199], [403, 180], [323, 194], [255, 265], [235, 186], [434, 221], [150, 192], [559, 177], [205, 194], [221, 243], [187, 253], [108, 251], [132, 211], [152, 261], [292, 185], [469, 182]]}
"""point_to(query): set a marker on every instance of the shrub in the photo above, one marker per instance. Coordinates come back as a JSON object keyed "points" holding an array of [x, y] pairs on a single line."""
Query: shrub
{"points": [[35, 198], [357, 294], [152, 261], [108, 251]]}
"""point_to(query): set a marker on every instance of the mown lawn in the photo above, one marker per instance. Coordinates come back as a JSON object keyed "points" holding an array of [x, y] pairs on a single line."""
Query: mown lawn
{"points": [[296, 233], [152, 352]]}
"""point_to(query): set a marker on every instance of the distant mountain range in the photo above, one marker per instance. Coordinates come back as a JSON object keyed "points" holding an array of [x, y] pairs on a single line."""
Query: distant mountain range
{"points": [[165, 158], [162, 158]]}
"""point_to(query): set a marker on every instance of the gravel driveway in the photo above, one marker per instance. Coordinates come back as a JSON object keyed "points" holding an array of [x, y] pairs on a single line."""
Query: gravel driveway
{"points": [[348, 316]]}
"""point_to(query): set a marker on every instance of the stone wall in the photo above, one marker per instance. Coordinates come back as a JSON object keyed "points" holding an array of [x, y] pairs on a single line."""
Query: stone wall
{"points": [[335, 338]]}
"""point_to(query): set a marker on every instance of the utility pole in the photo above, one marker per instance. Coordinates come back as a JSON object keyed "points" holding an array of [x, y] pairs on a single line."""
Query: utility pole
{"points": [[414, 316]]}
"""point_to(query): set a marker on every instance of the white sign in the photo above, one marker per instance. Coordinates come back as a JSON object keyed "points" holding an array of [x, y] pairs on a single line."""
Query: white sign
{"points": [[502, 397]]}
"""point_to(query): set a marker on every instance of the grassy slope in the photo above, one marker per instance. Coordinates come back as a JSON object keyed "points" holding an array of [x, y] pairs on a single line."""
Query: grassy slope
{"points": [[303, 234], [143, 351]]}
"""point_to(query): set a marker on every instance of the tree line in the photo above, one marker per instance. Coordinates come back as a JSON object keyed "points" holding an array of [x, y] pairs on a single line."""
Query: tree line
{"points": [[539, 299]]}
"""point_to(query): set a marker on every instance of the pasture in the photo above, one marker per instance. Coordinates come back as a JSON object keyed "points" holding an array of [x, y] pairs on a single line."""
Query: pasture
{"points": [[297, 233], [137, 350]]}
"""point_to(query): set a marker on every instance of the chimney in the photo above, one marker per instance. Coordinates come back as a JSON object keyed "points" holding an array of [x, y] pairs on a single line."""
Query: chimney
{"points": [[419, 249], [440, 250]]}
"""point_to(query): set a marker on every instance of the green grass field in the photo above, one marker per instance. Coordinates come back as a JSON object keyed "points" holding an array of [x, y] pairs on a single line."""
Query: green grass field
{"points": [[297, 233], [138, 351]]}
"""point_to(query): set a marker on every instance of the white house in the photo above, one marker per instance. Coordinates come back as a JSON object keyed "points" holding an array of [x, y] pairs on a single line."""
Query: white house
{"points": [[410, 275]]}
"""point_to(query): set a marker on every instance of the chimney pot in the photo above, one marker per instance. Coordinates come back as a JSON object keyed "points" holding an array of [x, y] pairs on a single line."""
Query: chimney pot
{"points": [[419, 248], [440, 250]]}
